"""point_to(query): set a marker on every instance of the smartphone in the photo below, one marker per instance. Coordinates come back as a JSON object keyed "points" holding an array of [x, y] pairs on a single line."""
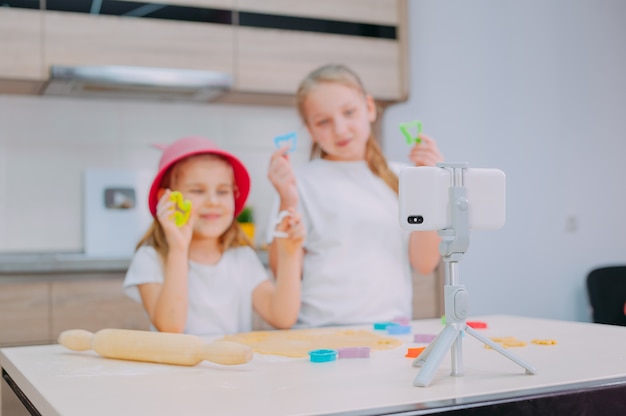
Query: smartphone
{"points": [[424, 198]]}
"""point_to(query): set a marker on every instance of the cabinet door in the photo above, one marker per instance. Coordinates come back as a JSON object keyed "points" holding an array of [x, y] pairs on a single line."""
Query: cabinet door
{"points": [[93, 303], [275, 60], [84, 39], [20, 44], [24, 313]]}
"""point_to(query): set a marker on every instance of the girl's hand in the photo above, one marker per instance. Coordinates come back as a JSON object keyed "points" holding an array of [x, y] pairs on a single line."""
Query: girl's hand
{"points": [[425, 153], [177, 237], [282, 177], [292, 226]]}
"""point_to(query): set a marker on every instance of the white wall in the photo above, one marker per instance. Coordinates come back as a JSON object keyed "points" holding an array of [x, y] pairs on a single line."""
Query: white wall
{"points": [[47, 143], [538, 89]]}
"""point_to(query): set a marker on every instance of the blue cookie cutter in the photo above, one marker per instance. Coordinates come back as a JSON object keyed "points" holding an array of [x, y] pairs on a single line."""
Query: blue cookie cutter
{"points": [[322, 356], [291, 138], [396, 329]]}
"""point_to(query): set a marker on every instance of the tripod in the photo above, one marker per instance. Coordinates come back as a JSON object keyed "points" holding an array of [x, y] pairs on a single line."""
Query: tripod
{"points": [[455, 242]]}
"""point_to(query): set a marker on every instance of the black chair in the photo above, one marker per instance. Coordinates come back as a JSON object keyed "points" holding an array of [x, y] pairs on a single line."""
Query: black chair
{"points": [[606, 287]]}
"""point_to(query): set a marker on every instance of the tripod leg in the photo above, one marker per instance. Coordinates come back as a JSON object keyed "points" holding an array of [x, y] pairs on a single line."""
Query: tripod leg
{"points": [[436, 354], [457, 356], [529, 368]]}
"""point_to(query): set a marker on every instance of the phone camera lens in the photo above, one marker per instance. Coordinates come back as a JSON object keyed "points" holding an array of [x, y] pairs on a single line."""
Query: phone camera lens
{"points": [[415, 219]]}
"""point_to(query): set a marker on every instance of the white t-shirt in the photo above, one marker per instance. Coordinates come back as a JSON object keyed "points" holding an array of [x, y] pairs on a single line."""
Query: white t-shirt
{"points": [[356, 267], [220, 295]]}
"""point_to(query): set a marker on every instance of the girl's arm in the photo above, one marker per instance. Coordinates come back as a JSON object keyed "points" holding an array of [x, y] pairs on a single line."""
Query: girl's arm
{"points": [[279, 303], [273, 250], [424, 251], [166, 303], [282, 177], [424, 245]]}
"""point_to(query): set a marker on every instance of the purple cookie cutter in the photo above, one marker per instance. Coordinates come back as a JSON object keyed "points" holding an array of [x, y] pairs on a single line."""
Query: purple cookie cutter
{"points": [[353, 352], [426, 338]]}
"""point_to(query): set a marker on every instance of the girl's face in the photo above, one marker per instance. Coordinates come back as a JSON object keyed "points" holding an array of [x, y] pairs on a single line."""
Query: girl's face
{"points": [[339, 120], [208, 182]]}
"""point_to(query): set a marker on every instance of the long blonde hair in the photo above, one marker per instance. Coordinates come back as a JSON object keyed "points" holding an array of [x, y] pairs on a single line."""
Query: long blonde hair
{"points": [[155, 236], [341, 74]]}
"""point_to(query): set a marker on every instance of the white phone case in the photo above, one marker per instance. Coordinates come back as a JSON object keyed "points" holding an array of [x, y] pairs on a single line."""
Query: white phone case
{"points": [[424, 205]]}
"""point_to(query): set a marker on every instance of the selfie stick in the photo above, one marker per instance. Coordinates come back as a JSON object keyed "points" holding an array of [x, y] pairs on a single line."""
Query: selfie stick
{"points": [[455, 242]]}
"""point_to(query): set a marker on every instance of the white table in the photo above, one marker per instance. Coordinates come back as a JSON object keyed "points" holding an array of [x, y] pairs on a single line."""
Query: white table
{"points": [[587, 358]]}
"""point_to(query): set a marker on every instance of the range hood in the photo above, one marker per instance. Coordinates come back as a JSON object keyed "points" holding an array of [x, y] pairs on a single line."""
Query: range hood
{"points": [[132, 82]]}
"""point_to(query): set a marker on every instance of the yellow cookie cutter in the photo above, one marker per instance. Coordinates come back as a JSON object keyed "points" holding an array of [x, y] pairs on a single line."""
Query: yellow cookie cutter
{"points": [[182, 207]]}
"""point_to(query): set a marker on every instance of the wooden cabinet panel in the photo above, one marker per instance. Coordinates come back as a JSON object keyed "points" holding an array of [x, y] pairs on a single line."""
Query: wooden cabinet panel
{"points": [[428, 294], [275, 61], [80, 39], [364, 11], [24, 313], [20, 44], [94, 303]]}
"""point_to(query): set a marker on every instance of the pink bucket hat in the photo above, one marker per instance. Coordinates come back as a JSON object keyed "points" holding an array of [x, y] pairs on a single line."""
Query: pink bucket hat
{"points": [[196, 145]]}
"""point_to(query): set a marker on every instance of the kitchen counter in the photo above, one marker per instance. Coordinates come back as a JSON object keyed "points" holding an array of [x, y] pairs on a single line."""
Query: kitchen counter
{"points": [[36, 263], [31, 263], [584, 373]]}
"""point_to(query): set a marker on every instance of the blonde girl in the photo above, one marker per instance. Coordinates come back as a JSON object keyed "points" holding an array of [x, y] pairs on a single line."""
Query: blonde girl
{"points": [[356, 258], [203, 277]]}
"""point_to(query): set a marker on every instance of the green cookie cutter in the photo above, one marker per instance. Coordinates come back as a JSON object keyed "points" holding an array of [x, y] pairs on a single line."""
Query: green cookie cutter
{"points": [[410, 138], [183, 208]]}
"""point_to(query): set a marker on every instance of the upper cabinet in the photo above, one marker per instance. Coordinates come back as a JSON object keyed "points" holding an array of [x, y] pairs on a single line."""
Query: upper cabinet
{"points": [[279, 41], [20, 48], [267, 46], [178, 34]]}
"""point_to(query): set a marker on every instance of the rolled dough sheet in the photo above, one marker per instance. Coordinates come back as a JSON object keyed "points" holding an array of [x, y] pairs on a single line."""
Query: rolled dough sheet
{"points": [[298, 342]]}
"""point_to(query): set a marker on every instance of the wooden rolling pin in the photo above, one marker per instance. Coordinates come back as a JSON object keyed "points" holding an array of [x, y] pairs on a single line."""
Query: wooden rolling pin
{"points": [[156, 347]]}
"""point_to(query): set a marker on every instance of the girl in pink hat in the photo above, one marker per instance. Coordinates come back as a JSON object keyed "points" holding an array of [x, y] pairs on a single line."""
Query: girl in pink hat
{"points": [[203, 277], [356, 258]]}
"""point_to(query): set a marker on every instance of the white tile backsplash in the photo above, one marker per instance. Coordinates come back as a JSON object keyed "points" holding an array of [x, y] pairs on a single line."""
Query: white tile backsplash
{"points": [[47, 143], [113, 232]]}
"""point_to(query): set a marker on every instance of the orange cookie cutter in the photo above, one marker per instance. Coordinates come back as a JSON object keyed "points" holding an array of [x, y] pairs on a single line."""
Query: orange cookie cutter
{"points": [[414, 352]]}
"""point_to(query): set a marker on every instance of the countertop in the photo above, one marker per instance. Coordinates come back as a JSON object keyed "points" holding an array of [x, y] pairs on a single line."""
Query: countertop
{"points": [[41, 263], [586, 357]]}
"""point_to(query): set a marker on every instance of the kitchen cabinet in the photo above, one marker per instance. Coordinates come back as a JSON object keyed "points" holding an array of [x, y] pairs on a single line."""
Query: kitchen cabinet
{"points": [[20, 50], [24, 312], [428, 299], [35, 309], [268, 47], [93, 303], [83, 39], [274, 60]]}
